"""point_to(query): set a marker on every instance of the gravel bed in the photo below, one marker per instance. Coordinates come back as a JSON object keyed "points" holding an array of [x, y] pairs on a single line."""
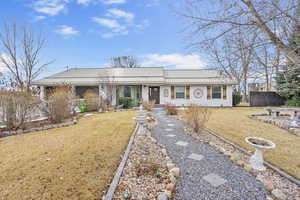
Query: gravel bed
{"points": [[191, 186], [271, 179], [145, 175]]}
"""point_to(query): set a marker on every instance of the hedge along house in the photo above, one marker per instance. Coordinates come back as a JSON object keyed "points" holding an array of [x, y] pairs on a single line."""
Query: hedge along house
{"points": [[178, 87]]}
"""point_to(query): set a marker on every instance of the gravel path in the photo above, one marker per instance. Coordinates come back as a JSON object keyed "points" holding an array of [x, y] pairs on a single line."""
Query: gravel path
{"points": [[205, 173]]}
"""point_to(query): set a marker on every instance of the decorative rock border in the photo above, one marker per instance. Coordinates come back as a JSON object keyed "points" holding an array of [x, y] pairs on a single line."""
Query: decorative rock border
{"points": [[295, 131], [42, 128], [113, 186], [145, 153]]}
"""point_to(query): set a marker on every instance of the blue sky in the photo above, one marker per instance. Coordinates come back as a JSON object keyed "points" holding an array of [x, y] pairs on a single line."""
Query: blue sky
{"points": [[87, 33]]}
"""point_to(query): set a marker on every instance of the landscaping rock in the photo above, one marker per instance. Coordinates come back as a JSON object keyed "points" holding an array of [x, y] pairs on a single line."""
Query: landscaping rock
{"points": [[176, 172], [168, 193], [172, 179], [170, 166], [279, 194], [164, 151], [171, 187], [163, 196], [268, 184]]}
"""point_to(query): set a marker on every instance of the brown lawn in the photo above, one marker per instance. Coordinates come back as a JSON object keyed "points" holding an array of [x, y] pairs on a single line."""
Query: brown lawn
{"points": [[234, 125], [76, 162]]}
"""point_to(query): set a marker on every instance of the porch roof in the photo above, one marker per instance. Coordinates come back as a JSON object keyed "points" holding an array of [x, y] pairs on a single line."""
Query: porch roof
{"points": [[142, 75]]}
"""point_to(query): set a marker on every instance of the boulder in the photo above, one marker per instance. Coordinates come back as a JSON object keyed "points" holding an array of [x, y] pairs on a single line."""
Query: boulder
{"points": [[173, 179], [279, 194], [171, 187], [175, 171], [170, 166], [164, 151], [168, 193], [268, 184], [163, 196]]}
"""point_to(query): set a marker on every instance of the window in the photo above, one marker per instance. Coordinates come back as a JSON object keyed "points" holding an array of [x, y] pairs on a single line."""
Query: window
{"points": [[180, 92], [127, 91], [216, 92]]}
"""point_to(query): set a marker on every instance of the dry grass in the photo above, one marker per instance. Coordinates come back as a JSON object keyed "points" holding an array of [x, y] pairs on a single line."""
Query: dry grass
{"points": [[75, 162], [234, 124]]}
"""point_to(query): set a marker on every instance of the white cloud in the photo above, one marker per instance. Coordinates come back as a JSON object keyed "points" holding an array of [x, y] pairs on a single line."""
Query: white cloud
{"points": [[175, 60], [67, 30], [40, 17], [113, 25], [110, 23], [114, 1], [144, 24], [50, 7], [117, 13]]}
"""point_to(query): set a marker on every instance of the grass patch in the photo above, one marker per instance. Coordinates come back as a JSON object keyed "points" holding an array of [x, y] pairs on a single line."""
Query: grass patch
{"points": [[234, 125], [76, 162]]}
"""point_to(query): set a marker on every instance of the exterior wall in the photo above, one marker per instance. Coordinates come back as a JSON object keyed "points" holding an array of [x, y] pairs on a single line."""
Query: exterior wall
{"points": [[203, 101], [145, 91]]}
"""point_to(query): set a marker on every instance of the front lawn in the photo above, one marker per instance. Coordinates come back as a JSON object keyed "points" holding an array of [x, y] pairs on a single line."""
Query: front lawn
{"points": [[76, 162], [234, 125]]}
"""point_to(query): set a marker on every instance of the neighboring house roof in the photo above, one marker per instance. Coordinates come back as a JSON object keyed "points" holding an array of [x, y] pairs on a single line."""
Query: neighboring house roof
{"points": [[142, 75]]}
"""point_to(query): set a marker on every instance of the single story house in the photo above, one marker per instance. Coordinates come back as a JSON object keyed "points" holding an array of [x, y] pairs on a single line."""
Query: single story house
{"points": [[165, 86]]}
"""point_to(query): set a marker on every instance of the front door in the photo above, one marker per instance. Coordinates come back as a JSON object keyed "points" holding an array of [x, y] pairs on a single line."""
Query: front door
{"points": [[154, 94]]}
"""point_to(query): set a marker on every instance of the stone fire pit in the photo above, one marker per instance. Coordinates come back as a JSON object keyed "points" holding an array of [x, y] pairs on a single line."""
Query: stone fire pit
{"points": [[260, 145]]}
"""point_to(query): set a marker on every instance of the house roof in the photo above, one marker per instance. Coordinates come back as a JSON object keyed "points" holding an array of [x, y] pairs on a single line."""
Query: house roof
{"points": [[142, 75]]}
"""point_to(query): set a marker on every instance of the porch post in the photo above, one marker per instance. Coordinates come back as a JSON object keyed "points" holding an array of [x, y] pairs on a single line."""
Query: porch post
{"points": [[42, 92]]}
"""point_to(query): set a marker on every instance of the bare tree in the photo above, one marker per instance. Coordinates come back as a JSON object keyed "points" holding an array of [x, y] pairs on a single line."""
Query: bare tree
{"points": [[268, 59], [108, 87], [275, 20], [233, 55], [22, 54], [124, 62]]}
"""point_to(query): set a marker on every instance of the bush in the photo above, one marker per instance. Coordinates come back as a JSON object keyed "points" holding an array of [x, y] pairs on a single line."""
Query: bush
{"points": [[196, 117], [91, 100], [146, 167], [171, 109], [236, 99], [60, 104], [17, 108], [126, 102], [293, 102], [148, 105]]}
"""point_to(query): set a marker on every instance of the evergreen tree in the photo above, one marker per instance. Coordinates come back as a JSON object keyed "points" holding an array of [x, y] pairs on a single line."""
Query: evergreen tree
{"points": [[288, 81]]}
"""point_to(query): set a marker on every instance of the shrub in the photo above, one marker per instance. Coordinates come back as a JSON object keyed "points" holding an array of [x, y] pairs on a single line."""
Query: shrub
{"points": [[59, 105], [196, 117], [171, 109], [236, 99], [91, 100], [293, 102], [148, 105], [126, 102], [146, 167], [17, 108]]}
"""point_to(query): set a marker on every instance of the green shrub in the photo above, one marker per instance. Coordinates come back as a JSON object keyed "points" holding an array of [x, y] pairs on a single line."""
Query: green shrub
{"points": [[82, 107], [236, 99], [293, 102], [127, 102]]}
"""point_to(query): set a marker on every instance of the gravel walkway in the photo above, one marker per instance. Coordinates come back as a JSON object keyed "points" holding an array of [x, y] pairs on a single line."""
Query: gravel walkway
{"points": [[205, 173]]}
